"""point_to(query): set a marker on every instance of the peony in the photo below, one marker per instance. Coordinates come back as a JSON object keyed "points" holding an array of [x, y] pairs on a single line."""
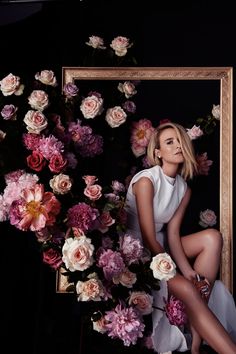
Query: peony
{"points": [[163, 267], [207, 218]]}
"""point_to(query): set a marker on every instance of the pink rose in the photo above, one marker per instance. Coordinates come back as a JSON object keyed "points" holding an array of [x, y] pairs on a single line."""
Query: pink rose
{"points": [[57, 163], [195, 132], [105, 220], [142, 301], [125, 278], [115, 116], [36, 161], [89, 180], [207, 218], [91, 106], [93, 192]]}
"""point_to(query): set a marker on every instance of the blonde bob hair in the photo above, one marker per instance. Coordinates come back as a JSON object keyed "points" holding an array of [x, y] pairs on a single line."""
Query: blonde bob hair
{"points": [[189, 167]]}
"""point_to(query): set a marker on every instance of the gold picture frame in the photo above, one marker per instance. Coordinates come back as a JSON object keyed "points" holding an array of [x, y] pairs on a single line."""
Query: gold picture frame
{"points": [[223, 76]]}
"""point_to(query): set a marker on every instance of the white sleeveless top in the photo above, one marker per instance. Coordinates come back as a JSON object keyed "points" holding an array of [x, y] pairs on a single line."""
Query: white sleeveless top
{"points": [[168, 193]]}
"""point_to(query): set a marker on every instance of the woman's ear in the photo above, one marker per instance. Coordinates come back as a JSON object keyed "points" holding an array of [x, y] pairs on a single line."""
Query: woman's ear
{"points": [[157, 153]]}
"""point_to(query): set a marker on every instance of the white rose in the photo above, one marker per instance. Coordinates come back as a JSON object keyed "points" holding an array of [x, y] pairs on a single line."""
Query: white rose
{"points": [[77, 253], [115, 116], [35, 121], [163, 266], [60, 184]]}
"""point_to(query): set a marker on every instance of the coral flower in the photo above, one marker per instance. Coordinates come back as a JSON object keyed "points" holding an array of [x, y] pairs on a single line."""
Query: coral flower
{"points": [[35, 209]]}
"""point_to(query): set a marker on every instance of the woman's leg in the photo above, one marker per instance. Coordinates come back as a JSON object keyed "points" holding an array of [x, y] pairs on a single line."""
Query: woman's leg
{"points": [[205, 248], [200, 316]]}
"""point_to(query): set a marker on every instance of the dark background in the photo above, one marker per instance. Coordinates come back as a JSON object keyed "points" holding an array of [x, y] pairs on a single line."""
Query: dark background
{"points": [[48, 35]]}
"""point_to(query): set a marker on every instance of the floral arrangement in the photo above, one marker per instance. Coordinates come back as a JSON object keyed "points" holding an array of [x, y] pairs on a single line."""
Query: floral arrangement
{"points": [[52, 188]]}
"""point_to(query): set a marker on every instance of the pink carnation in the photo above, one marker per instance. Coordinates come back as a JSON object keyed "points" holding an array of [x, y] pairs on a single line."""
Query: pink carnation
{"points": [[82, 216]]}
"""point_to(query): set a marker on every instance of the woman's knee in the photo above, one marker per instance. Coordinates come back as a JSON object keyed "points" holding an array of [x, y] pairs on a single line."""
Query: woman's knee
{"points": [[213, 239]]}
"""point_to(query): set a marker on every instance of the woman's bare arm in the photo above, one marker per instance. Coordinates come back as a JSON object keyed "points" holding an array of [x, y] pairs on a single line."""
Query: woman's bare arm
{"points": [[173, 233], [143, 191]]}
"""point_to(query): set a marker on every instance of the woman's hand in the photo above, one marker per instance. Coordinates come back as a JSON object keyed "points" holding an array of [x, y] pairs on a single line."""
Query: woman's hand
{"points": [[190, 275]]}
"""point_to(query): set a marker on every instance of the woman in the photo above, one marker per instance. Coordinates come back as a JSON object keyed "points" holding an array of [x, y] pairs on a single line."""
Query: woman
{"points": [[159, 196]]}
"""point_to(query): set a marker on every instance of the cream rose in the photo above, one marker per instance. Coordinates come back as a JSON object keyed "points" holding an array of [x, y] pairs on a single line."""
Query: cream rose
{"points": [[47, 77], [61, 184], [91, 106], [10, 85], [127, 88], [207, 218], [115, 116], [38, 100], [120, 45], [90, 290], [77, 254], [142, 301], [35, 121], [96, 42], [216, 111], [163, 267]]}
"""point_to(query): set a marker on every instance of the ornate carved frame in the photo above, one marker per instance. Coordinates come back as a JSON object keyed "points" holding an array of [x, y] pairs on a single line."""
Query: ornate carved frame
{"points": [[224, 75]]}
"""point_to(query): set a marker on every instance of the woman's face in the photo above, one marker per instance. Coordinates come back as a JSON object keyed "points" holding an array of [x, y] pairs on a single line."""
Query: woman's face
{"points": [[170, 150]]}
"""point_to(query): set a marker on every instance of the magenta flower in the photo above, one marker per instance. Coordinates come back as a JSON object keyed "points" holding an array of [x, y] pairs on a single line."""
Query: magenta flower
{"points": [[175, 311], [82, 216]]}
